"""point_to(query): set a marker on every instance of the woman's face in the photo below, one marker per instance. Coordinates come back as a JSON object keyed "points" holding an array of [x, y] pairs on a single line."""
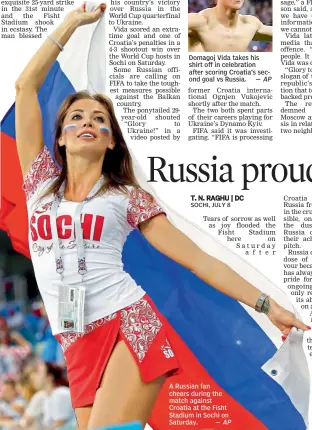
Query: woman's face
{"points": [[39, 376], [87, 129]]}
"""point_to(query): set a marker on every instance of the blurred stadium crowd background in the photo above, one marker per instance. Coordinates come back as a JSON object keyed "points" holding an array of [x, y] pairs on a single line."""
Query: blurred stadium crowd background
{"points": [[262, 9], [34, 392]]}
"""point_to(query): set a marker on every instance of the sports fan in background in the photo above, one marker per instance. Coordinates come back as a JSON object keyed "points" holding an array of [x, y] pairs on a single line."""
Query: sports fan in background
{"points": [[57, 410], [11, 405], [11, 356], [221, 28]]}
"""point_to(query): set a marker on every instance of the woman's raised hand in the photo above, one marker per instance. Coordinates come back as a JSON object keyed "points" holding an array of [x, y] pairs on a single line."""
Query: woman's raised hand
{"points": [[81, 17]]}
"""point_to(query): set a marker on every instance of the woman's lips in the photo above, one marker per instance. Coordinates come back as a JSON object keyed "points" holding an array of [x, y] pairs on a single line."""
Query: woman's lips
{"points": [[87, 137], [87, 133]]}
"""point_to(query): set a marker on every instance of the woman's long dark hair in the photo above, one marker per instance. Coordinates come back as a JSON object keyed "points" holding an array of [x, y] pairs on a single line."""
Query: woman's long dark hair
{"points": [[117, 166]]}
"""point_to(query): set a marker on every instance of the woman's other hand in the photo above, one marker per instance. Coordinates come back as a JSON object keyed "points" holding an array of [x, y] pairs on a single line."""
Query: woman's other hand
{"points": [[284, 320]]}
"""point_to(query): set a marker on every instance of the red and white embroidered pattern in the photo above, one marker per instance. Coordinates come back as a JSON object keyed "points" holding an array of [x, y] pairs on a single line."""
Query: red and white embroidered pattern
{"points": [[140, 325], [42, 169], [67, 338], [141, 207]]}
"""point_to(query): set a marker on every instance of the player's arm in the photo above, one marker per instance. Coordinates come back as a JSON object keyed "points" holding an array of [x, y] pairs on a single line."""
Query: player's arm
{"points": [[264, 33], [196, 22]]}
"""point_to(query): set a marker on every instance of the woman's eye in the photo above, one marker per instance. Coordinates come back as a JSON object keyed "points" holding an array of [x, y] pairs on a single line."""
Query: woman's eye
{"points": [[100, 118], [76, 116]]}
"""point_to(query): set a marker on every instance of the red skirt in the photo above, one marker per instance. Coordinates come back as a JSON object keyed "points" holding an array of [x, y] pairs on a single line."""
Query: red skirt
{"points": [[143, 330]]}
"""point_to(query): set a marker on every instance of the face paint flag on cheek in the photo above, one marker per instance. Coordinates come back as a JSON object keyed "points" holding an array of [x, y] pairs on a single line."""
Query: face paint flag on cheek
{"points": [[104, 131], [69, 127]]}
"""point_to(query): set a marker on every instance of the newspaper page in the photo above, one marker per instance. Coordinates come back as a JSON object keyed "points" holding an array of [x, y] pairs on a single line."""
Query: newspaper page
{"points": [[214, 101]]}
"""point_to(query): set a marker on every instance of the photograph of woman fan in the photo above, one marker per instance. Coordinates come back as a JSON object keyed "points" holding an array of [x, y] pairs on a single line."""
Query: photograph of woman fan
{"points": [[119, 354]]}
